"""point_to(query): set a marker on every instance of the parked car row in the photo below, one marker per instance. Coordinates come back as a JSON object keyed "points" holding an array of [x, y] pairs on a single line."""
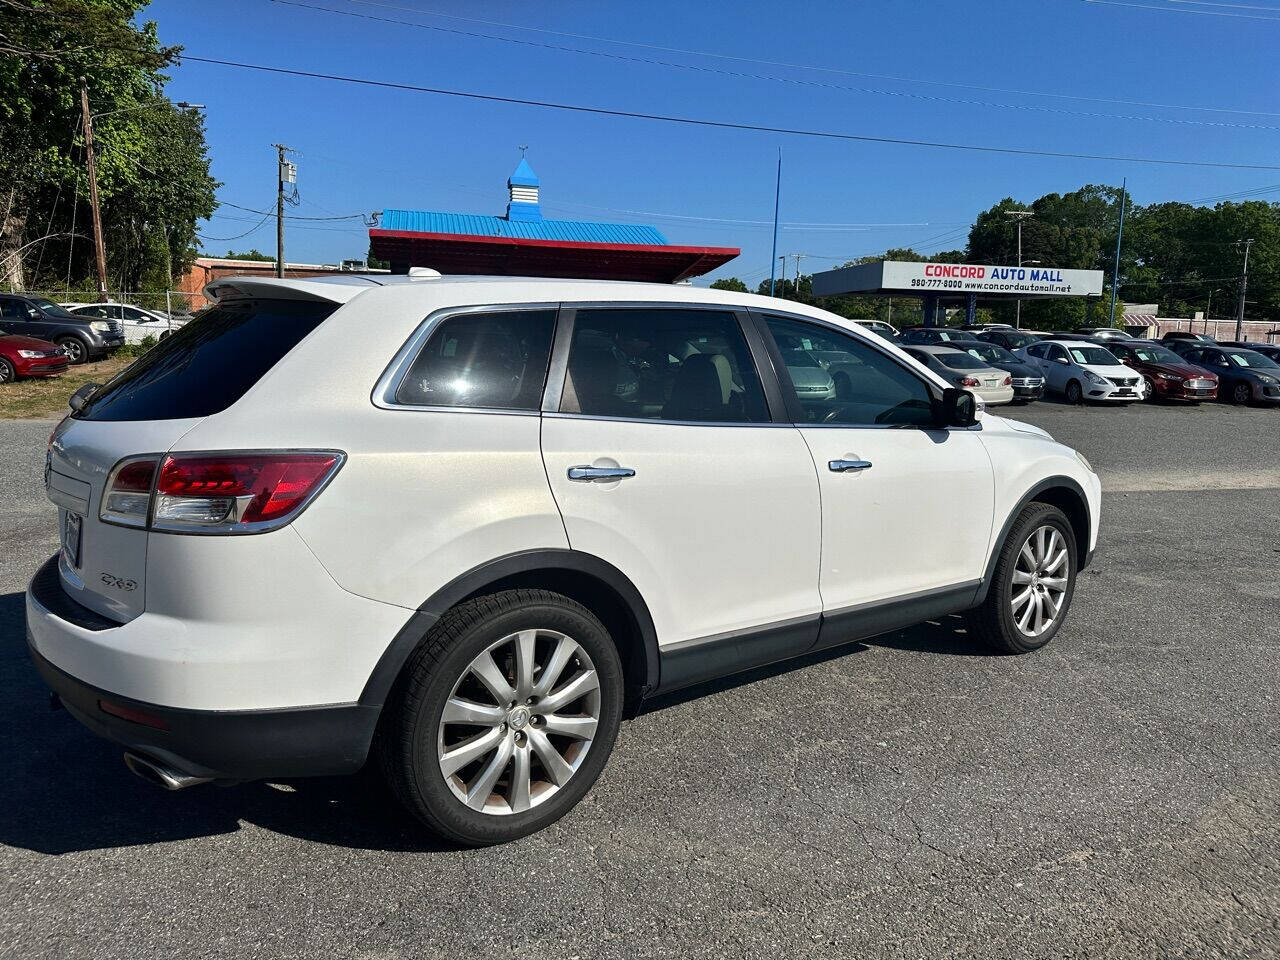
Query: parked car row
{"points": [[1101, 364], [40, 338]]}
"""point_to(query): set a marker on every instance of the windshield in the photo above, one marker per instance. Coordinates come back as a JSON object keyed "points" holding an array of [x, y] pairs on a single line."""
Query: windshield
{"points": [[798, 358], [51, 308], [1247, 358], [991, 353], [1156, 355], [1093, 355], [960, 361]]}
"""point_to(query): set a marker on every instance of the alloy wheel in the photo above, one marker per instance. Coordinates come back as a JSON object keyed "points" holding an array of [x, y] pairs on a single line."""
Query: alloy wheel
{"points": [[74, 350], [6, 372], [1040, 580], [519, 722], [1240, 394]]}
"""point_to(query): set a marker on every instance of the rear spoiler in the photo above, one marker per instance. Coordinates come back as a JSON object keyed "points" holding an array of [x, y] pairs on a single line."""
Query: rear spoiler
{"points": [[337, 289]]}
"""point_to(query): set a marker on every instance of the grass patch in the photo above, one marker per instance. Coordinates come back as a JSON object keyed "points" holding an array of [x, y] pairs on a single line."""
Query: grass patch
{"points": [[47, 397]]}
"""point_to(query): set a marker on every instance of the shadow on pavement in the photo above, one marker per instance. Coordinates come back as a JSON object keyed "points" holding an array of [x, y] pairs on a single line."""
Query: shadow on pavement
{"points": [[66, 790]]}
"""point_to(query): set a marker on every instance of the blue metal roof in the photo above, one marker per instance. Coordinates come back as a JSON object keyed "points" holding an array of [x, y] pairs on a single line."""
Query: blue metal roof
{"points": [[574, 231]]}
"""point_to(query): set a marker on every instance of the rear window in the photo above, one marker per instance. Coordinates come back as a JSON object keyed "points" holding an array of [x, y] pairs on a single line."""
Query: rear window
{"points": [[209, 364]]}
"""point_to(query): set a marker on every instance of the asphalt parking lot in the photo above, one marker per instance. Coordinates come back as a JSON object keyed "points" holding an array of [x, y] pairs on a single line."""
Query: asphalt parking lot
{"points": [[1115, 795]]}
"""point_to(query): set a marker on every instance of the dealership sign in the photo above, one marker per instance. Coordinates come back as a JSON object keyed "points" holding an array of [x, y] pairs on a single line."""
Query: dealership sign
{"points": [[897, 276]]}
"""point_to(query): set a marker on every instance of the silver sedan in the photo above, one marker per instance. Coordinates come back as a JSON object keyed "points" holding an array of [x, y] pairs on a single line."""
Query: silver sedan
{"points": [[965, 370]]}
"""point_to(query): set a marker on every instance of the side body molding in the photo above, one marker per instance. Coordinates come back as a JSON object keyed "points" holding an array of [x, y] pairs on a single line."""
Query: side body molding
{"points": [[510, 568]]}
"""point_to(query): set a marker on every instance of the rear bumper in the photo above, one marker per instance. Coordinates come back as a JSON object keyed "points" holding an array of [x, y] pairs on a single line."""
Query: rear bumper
{"points": [[223, 745]]}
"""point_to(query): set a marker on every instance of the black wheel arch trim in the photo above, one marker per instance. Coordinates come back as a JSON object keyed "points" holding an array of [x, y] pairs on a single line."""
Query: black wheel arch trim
{"points": [[493, 572], [1083, 554]]}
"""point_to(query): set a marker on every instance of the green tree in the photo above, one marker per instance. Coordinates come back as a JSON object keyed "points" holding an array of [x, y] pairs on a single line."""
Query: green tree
{"points": [[373, 262], [153, 171], [254, 254], [729, 283]]}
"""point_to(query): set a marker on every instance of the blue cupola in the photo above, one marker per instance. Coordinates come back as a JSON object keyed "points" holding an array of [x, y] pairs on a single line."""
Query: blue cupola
{"points": [[522, 194]]}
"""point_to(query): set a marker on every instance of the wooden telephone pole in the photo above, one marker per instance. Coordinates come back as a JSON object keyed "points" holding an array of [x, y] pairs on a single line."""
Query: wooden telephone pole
{"points": [[99, 249]]}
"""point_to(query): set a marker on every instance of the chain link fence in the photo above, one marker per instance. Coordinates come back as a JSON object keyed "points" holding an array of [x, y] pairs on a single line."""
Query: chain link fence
{"points": [[173, 303]]}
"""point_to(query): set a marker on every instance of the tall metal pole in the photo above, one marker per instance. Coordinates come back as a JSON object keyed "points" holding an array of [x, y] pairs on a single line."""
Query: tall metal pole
{"points": [[782, 281], [796, 282], [280, 148], [1115, 274], [1018, 216], [777, 198], [1017, 309], [1244, 283], [99, 249]]}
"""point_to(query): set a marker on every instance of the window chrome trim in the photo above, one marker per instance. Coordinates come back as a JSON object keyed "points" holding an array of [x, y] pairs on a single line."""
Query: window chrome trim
{"points": [[383, 395], [655, 421]]}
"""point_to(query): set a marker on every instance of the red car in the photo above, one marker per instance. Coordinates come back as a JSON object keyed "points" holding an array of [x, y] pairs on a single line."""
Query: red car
{"points": [[1167, 375], [28, 357]]}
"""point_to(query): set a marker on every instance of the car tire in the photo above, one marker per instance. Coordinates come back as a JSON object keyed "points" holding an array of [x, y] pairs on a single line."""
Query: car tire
{"points": [[513, 786], [1149, 386], [1005, 621], [7, 373], [76, 349], [1074, 392], [1241, 394]]}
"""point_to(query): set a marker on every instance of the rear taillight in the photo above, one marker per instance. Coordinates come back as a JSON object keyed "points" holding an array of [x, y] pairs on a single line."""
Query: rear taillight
{"points": [[216, 492], [1008, 381], [968, 381], [126, 499]]}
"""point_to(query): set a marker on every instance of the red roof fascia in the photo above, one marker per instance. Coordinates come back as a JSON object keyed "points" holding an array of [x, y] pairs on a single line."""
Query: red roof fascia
{"points": [[558, 244]]}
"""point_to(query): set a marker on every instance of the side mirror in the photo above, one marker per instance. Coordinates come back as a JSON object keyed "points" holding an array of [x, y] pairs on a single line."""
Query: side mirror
{"points": [[81, 396], [1063, 360], [958, 408]]}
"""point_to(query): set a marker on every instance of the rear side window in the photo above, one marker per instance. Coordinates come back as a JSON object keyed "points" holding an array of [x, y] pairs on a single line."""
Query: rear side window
{"points": [[483, 360], [662, 364], [209, 364]]}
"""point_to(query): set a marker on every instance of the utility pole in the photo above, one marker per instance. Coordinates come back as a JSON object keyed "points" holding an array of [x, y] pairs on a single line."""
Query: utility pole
{"points": [[777, 199], [1115, 274], [286, 172], [796, 282], [1018, 216], [782, 281], [1244, 283], [99, 249]]}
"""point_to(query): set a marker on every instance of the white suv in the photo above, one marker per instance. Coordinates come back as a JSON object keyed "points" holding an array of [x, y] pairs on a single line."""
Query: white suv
{"points": [[463, 525]]}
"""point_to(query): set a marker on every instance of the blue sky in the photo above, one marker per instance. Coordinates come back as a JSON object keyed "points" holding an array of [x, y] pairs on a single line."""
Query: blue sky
{"points": [[364, 149]]}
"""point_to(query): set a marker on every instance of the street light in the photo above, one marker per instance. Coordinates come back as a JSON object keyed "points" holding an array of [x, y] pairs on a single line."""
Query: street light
{"points": [[182, 104]]}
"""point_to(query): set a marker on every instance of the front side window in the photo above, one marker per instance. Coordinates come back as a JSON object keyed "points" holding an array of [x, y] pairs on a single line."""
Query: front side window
{"points": [[494, 360], [98, 312], [864, 388], [662, 364]]}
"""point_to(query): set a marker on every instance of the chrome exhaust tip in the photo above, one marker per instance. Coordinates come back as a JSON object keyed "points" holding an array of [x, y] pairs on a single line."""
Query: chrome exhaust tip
{"points": [[161, 774]]}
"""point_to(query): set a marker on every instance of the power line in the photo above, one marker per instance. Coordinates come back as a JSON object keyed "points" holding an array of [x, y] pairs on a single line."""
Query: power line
{"points": [[1203, 13], [737, 74], [722, 124], [808, 66]]}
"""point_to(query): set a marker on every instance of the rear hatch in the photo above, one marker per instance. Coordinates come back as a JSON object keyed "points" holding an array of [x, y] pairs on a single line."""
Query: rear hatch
{"points": [[195, 373]]}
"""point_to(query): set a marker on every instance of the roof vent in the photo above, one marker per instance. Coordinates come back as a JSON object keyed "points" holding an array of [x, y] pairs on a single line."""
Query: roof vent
{"points": [[423, 273]]}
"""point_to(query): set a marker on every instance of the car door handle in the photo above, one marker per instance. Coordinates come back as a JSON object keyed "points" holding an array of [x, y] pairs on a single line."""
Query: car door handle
{"points": [[845, 466], [599, 474]]}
